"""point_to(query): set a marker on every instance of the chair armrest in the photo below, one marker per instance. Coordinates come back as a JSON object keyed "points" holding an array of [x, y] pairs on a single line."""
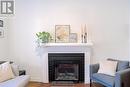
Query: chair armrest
{"points": [[122, 78], [94, 69]]}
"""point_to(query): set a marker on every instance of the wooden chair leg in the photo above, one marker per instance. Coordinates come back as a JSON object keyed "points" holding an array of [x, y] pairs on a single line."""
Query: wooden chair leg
{"points": [[90, 83]]}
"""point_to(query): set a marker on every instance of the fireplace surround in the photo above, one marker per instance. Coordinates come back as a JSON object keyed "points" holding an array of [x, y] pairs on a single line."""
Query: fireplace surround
{"points": [[66, 67], [85, 48]]}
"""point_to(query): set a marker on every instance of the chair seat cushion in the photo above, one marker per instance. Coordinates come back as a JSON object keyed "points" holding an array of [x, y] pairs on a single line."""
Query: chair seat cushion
{"points": [[19, 81], [106, 80]]}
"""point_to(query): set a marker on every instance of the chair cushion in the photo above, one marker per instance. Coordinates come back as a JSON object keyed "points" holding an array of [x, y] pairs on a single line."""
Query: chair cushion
{"points": [[122, 65], [15, 69], [106, 80], [13, 66], [108, 67], [6, 72], [19, 81]]}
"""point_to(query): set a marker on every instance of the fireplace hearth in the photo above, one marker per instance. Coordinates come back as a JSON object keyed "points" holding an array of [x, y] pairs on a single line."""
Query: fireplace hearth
{"points": [[66, 67]]}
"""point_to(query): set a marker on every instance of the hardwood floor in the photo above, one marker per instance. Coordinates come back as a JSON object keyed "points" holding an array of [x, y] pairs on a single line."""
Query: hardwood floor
{"points": [[37, 84]]}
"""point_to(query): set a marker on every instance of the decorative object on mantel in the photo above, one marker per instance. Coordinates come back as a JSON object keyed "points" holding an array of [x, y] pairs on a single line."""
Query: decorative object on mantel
{"points": [[43, 37], [1, 23], [62, 33], [1, 33], [73, 38], [84, 34]]}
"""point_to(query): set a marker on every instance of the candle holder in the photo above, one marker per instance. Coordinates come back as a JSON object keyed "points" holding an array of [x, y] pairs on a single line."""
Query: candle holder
{"points": [[82, 37], [85, 37], [84, 34]]}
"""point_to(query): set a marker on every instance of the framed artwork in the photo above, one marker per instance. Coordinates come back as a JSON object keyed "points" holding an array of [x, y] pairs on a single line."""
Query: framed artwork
{"points": [[73, 38], [62, 33], [1, 33], [1, 23]]}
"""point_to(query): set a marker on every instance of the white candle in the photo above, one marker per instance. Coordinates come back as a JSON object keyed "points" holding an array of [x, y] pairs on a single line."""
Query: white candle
{"points": [[82, 30], [85, 31]]}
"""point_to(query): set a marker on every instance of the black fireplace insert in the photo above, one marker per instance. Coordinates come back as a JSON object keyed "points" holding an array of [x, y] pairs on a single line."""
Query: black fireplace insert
{"points": [[66, 67]]}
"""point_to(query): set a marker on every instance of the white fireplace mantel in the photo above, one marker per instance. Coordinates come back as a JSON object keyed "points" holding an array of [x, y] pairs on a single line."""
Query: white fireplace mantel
{"points": [[66, 48], [67, 44]]}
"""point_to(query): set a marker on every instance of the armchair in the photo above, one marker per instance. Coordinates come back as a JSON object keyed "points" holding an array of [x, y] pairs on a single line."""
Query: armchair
{"points": [[20, 80], [121, 78]]}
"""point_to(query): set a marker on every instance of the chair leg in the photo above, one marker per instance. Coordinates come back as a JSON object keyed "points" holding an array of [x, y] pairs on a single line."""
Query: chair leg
{"points": [[90, 83]]}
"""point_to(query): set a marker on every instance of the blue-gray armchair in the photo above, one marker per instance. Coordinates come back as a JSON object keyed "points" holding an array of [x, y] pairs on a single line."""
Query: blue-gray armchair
{"points": [[121, 78]]}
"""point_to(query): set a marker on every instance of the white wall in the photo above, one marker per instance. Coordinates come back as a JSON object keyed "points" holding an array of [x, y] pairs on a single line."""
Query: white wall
{"points": [[129, 31], [107, 23]]}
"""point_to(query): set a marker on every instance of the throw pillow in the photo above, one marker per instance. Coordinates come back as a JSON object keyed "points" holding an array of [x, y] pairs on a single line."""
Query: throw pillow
{"points": [[122, 65], [108, 67], [6, 72], [15, 69]]}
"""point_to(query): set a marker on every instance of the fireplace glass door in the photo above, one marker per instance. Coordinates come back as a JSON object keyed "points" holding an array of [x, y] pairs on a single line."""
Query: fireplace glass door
{"points": [[67, 72]]}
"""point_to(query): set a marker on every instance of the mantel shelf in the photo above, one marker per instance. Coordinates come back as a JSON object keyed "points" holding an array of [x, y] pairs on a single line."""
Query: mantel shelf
{"points": [[67, 44]]}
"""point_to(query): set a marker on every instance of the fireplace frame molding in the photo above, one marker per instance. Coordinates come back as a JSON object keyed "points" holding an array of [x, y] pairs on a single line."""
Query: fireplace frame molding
{"points": [[85, 48]]}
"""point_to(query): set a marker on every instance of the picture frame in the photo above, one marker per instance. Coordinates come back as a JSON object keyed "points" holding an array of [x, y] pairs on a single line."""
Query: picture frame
{"points": [[1, 23], [73, 38], [62, 33], [1, 33]]}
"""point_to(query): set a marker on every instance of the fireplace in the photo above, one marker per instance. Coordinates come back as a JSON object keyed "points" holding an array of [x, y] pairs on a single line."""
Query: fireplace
{"points": [[66, 67]]}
